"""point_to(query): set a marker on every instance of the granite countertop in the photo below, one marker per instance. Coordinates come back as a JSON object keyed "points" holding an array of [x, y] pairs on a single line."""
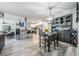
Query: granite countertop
{"points": [[51, 33]]}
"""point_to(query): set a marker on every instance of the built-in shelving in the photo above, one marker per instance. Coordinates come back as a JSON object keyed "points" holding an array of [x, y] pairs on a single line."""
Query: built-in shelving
{"points": [[62, 23]]}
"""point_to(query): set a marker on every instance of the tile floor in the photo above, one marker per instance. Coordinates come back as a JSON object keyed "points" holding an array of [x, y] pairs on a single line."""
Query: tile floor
{"points": [[30, 47]]}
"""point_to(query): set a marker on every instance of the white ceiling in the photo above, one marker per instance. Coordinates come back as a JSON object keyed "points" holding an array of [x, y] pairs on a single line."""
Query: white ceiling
{"points": [[34, 9]]}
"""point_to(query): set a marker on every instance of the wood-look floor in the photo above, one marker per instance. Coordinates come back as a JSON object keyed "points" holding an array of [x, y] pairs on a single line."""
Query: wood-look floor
{"points": [[30, 47]]}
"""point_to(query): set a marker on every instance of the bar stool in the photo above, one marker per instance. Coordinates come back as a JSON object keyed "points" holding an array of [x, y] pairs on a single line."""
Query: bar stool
{"points": [[55, 40], [45, 41]]}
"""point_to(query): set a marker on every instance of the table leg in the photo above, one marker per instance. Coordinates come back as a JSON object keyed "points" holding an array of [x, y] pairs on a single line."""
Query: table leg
{"points": [[49, 44]]}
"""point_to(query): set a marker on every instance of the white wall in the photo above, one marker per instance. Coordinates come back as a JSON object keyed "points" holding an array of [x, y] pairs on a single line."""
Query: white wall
{"points": [[11, 16]]}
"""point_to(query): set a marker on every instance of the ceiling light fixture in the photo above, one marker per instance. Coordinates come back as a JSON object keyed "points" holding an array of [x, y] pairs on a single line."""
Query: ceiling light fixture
{"points": [[50, 11]]}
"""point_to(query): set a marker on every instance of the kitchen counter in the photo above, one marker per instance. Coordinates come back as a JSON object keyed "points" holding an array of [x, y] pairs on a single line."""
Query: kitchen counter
{"points": [[2, 41]]}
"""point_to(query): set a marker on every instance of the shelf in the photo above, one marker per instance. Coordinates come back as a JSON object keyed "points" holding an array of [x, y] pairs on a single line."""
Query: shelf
{"points": [[68, 18], [62, 22]]}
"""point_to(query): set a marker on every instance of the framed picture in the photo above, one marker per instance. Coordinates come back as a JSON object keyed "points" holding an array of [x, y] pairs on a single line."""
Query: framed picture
{"points": [[21, 24]]}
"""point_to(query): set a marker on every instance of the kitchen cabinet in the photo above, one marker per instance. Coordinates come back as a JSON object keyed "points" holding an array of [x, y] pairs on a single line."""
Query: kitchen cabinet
{"points": [[65, 36], [2, 41]]}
